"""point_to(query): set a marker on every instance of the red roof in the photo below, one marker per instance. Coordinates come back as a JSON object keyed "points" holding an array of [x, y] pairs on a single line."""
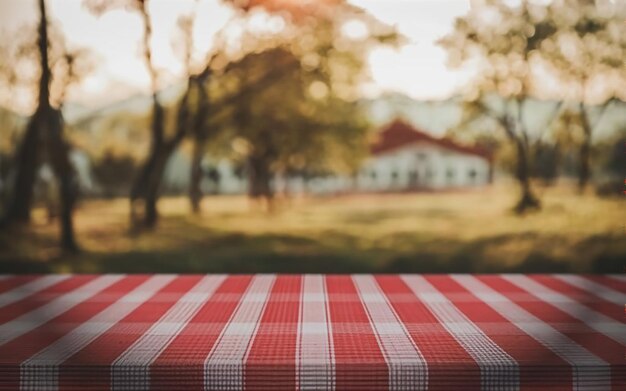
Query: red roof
{"points": [[399, 134]]}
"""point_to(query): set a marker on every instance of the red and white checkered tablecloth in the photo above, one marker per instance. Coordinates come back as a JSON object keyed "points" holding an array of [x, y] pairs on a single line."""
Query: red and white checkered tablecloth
{"points": [[279, 332]]}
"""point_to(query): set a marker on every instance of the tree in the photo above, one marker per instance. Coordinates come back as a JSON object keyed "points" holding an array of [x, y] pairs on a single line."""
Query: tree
{"points": [[588, 50], [252, 77], [505, 44], [306, 120], [144, 193], [216, 103], [281, 67], [283, 127], [142, 197], [195, 123], [43, 138]]}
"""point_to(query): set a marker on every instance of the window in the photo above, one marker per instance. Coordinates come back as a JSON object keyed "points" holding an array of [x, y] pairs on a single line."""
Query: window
{"points": [[421, 156], [450, 173], [413, 177], [213, 174], [238, 171], [373, 175], [394, 176], [472, 175]]}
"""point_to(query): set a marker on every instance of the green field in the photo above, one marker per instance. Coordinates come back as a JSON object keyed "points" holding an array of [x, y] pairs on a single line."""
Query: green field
{"points": [[471, 231]]}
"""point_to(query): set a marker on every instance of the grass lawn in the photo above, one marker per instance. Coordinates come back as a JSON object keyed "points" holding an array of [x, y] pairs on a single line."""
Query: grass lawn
{"points": [[470, 231]]}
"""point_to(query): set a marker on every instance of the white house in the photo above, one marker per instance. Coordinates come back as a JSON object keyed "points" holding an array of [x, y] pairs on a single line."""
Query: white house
{"points": [[404, 158]]}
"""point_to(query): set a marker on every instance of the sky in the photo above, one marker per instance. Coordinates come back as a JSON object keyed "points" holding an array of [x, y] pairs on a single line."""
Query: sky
{"points": [[418, 68]]}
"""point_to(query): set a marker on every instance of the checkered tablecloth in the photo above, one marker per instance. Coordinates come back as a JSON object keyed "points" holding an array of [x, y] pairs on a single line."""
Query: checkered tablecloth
{"points": [[279, 332]]}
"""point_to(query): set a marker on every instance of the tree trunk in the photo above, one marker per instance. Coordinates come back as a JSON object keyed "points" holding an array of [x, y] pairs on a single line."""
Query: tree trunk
{"points": [[259, 177], [584, 173], [151, 212], [145, 190], [27, 158], [138, 190], [45, 125], [154, 185], [142, 208], [58, 154], [195, 180], [527, 199], [516, 132], [200, 133]]}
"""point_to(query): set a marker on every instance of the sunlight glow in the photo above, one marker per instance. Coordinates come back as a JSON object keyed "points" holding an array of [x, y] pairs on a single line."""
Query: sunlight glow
{"points": [[417, 69], [354, 29]]}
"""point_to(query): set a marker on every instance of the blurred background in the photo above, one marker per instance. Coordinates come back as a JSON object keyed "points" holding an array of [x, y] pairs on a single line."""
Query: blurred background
{"points": [[325, 136]]}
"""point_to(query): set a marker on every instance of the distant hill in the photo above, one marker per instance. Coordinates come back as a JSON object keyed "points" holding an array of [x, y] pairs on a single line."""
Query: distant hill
{"points": [[433, 116], [133, 105], [438, 116]]}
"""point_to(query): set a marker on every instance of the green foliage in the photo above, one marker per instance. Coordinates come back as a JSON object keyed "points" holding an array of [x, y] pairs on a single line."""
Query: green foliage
{"points": [[587, 49], [296, 122], [501, 41], [290, 100], [504, 44], [114, 173]]}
